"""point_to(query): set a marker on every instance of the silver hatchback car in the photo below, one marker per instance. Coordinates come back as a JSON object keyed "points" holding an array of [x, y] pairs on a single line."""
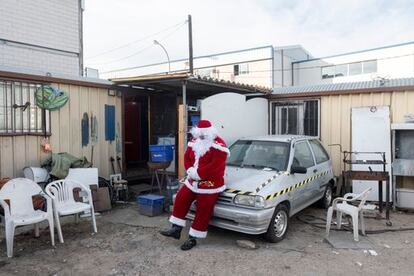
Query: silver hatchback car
{"points": [[268, 180]]}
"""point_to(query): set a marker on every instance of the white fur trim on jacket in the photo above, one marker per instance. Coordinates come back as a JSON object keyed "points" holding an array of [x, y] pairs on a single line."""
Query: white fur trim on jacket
{"points": [[177, 221], [194, 188], [214, 145], [221, 148], [197, 234]]}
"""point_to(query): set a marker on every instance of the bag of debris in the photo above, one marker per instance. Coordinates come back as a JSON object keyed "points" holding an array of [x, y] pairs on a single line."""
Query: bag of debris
{"points": [[58, 164]]}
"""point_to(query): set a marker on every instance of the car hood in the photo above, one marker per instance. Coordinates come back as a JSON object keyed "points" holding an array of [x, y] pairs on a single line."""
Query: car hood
{"points": [[246, 179]]}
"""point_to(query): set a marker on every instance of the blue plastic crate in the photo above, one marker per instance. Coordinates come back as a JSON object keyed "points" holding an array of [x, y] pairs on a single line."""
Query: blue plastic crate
{"points": [[150, 205], [161, 153]]}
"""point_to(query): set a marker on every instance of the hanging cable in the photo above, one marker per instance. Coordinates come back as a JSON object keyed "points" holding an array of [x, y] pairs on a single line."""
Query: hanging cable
{"points": [[136, 41], [143, 49]]}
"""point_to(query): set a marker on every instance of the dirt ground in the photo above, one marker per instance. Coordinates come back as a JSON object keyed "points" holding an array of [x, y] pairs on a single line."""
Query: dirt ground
{"points": [[129, 244]]}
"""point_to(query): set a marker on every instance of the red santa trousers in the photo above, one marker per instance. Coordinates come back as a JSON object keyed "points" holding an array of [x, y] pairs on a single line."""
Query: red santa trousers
{"points": [[204, 209]]}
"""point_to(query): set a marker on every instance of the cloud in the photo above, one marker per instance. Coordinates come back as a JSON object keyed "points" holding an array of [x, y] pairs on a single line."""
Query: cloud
{"points": [[322, 27]]}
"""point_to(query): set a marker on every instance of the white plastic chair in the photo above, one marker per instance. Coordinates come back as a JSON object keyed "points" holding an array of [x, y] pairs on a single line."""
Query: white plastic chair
{"points": [[61, 192], [340, 205], [19, 192]]}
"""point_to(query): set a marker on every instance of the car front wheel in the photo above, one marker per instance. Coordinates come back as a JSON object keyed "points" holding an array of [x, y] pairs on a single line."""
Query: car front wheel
{"points": [[278, 225]]}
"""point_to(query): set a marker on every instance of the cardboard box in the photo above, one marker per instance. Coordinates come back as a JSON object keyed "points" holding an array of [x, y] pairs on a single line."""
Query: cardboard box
{"points": [[103, 201]]}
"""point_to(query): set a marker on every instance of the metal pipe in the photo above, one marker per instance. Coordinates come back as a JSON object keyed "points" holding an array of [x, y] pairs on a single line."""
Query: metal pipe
{"points": [[190, 45]]}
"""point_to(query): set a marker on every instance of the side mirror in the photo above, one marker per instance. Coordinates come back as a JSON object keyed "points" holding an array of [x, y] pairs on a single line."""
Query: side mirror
{"points": [[297, 169]]}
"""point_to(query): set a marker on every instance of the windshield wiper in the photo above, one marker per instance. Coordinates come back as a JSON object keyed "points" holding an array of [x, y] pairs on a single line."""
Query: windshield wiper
{"points": [[234, 164]]}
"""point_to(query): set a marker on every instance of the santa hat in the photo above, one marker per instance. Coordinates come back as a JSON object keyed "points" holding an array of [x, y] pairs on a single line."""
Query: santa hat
{"points": [[204, 128]]}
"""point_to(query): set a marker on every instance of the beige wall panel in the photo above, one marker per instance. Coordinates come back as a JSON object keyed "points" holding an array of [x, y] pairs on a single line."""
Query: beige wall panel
{"points": [[94, 110], [336, 116], [32, 151], [74, 121], [7, 157], [84, 107], [102, 146], [19, 151], [64, 123]]}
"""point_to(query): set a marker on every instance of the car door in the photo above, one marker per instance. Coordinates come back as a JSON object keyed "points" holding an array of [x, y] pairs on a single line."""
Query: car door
{"points": [[302, 157], [323, 166]]}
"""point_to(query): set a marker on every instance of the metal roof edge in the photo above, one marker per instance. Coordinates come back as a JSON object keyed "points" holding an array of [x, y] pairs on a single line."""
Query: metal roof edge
{"points": [[341, 92], [55, 78], [356, 52]]}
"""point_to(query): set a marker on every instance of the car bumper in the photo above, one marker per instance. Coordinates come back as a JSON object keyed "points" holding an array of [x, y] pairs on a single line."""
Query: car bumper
{"points": [[244, 220]]}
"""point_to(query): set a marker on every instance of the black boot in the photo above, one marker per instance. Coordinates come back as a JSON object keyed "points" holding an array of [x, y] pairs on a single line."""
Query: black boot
{"points": [[190, 243], [174, 232]]}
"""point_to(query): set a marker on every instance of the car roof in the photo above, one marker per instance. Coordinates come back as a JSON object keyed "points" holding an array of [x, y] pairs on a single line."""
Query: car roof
{"points": [[279, 138]]}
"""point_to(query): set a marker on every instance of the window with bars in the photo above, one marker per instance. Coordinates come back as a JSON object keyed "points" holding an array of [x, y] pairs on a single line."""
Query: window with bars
{"points": [[18, 111], [296, 117]]}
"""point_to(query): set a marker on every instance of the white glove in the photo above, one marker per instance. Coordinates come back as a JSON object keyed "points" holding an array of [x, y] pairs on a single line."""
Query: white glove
{"points": [[192, 173]]}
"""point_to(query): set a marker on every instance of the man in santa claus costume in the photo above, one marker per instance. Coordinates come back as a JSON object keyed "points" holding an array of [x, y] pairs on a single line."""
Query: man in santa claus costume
{"points": [[205, 162]]}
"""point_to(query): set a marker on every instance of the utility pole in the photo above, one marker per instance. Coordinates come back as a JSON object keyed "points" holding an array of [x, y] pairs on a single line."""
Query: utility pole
{"points": [[190, 45]]}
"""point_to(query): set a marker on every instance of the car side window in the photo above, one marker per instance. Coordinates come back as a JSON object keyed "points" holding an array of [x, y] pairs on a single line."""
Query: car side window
{"points": [[302, 156], [320, 153]]}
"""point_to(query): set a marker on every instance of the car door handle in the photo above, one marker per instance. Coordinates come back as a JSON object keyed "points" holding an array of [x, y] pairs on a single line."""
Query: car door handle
{"points": [[315, 170]]}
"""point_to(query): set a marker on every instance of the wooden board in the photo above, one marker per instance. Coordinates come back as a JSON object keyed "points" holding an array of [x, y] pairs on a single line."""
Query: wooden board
{"points": [[181, 146]]}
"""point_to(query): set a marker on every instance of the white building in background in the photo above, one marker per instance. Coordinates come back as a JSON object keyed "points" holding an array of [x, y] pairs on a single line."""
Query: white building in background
{"points": [[41, 36], [390, 62], [275, 67], [266, 66]]}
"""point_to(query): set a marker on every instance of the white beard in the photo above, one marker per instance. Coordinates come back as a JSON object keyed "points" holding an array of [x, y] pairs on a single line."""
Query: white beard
{"points": [[201, 146]]}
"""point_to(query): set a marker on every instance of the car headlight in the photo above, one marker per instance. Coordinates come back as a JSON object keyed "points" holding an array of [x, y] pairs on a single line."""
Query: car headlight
{"points": [[250, 200]]}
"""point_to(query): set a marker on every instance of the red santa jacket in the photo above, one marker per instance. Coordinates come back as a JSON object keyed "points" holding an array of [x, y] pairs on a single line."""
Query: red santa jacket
{"points": [[207, 162]]}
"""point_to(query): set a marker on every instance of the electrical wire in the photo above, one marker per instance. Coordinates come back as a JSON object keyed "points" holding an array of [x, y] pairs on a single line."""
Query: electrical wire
{"points": [[322, 225], [257, 71], [139, 51], [135, 41]]}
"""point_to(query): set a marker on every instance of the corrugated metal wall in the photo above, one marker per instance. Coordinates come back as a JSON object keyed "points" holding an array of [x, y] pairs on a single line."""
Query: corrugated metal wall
{"points": [[16, 152], [336, 117]]}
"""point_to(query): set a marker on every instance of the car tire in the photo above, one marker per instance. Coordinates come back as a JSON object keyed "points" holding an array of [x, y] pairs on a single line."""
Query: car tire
{"points": [[327, 198], [279, 224]]}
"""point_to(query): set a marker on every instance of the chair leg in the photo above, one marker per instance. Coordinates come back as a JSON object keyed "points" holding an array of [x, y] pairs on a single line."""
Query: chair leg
{"points": [[9, 239], [77, 218], [355, 226], [338, 219], [58, 227], [52, 230], [329, 220], [36, 230], [95, 229], [362, 223]]}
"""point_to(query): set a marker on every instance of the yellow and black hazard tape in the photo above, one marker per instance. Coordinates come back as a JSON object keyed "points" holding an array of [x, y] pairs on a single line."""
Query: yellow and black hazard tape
{"points": [[297, 185], [239, 192], [265, 183]]}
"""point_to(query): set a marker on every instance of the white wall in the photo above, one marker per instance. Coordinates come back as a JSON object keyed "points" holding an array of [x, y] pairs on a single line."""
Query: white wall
{"points": [[283, 58], [234, 117], [48, 23], [392, 62]]}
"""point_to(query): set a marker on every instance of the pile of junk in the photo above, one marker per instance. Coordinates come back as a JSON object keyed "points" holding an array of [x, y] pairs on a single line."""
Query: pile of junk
{"points": [[59, 165]]}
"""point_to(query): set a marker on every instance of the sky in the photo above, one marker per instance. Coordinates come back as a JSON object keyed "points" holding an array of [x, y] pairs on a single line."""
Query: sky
{"points": [[120, 33]]}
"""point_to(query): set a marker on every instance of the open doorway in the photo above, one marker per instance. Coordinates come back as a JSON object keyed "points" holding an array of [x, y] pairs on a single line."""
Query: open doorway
{"points": [[136, 135]]}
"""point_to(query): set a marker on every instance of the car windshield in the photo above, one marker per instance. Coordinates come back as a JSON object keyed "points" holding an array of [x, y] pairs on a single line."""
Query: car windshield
{"points": [[259, 154]]}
